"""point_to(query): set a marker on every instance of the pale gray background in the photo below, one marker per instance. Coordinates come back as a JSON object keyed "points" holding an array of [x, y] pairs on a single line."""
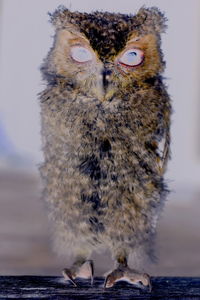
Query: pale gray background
{"points": [[25, 38]]}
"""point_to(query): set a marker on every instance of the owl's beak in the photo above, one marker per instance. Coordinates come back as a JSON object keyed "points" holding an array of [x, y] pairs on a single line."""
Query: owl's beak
{"points": [[103, 88], [106, 78], [107, 88]]}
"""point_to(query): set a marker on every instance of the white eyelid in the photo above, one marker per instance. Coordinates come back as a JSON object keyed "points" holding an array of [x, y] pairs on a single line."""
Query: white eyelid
{"points": [[81, 54], [132, 57]]}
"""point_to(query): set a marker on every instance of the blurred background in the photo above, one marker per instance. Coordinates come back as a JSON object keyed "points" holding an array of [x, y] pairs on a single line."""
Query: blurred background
{"points": [[25, 38]]}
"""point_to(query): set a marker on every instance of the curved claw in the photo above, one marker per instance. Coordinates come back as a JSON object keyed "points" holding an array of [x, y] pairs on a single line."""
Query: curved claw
{"points": [[92, 270], [68, 276], [108, 283], [147, 281]]}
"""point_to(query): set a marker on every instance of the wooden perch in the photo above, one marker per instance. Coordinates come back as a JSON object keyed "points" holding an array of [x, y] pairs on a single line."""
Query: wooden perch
{"points": [[51, 287]]}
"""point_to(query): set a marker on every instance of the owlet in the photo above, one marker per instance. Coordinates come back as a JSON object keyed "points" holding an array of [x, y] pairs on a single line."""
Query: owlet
{"points": [[105, 117]]}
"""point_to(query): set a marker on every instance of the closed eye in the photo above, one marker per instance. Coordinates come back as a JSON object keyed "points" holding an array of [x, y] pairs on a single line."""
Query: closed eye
{"points": [[132, 57], [81, 54]]}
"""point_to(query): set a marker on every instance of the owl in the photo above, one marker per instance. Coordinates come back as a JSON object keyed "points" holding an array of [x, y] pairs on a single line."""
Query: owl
{"points": [[105, 119]]}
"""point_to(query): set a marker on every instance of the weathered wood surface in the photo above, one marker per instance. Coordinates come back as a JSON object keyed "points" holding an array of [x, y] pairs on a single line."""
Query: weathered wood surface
{"points": [[40, 287]]}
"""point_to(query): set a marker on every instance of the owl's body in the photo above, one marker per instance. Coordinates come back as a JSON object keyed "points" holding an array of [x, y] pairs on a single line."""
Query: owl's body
{"points": [[102, 123]]}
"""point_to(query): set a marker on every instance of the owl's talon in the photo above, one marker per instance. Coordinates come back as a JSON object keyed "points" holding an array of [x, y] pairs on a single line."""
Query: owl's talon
{"points": [[68, 276], [92, 271], [126, 274], [148, 278], [83, 270]]}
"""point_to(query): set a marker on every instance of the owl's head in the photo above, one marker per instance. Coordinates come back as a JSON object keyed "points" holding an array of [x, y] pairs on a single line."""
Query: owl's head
{"points": [[102, 54]]}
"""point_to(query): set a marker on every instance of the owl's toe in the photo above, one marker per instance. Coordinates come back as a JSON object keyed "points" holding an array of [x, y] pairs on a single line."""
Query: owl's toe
{"points": [[83, 270], [68, 275], [141, 280]]}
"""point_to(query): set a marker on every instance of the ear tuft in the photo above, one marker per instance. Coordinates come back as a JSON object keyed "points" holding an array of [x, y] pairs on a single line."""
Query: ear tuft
{"points": [[60, 16], [151, 20]]}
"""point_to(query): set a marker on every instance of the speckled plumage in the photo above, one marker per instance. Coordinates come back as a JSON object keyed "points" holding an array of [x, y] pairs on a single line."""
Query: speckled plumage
{"points": [[102, 170]]}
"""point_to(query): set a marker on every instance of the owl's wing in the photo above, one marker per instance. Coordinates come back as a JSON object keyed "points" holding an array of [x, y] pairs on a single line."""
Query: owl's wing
{"points": [[163, 151]]}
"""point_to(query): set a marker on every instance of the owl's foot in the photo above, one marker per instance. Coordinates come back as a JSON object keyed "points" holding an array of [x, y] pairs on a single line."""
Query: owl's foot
{"points": [[124, 273], [80, 269]]}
